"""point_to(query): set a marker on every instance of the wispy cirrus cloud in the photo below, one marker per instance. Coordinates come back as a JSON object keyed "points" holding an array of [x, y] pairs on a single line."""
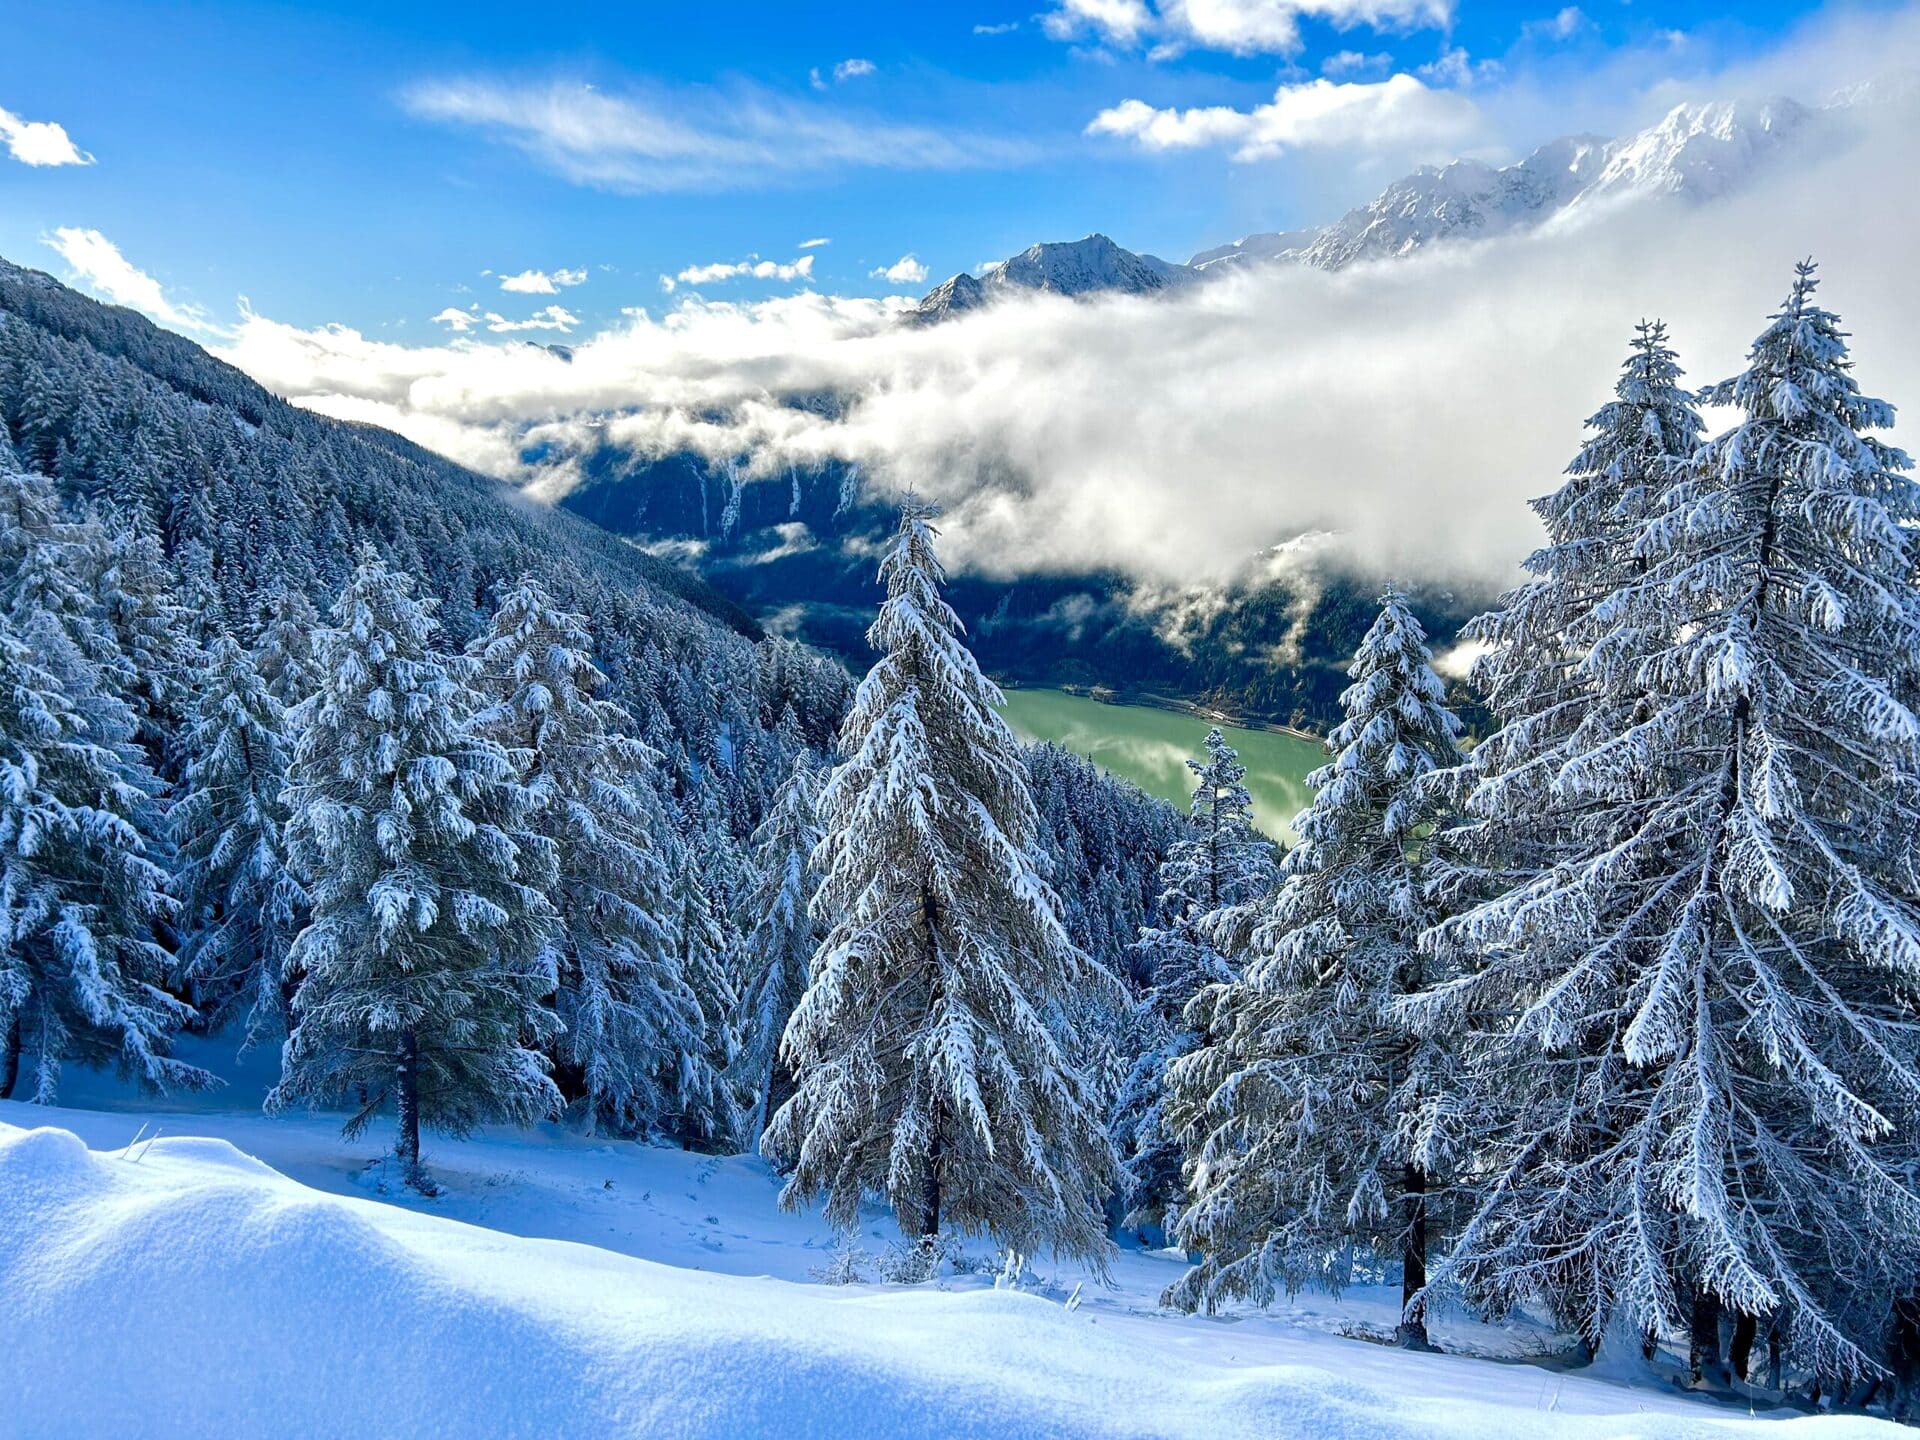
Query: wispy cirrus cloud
{"points": [[1238, 27], [39, 142], [851, 69], [97, 262], [1398, 112], [643, 141]]}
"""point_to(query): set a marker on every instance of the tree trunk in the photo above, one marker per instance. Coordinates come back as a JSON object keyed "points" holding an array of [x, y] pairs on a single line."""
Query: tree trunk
{"points": [[1773, 1353], [1704, 1365], [1746, 1329], [10, 1058], [407, 1144], [1412, 1329], [930, 1181], [779, 1090], [930, 1184], [1903, 1357]]}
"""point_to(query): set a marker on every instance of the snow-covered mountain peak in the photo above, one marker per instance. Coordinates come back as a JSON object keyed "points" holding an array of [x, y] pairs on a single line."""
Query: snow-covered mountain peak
{"points": [[1087, 266], [1696, 151], [1703, 150]]}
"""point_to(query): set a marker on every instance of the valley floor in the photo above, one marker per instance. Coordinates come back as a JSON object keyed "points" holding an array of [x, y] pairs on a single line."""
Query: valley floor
{"points": [[245, 1276]]}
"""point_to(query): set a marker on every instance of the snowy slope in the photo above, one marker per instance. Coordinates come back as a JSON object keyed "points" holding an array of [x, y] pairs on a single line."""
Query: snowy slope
{"points": [[184, 1289]]}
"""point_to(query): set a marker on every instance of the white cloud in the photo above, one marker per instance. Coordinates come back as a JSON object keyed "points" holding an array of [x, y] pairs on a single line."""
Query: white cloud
{"points": [[1006, 27], [815, 243], [1395, 113], [1118, 22], [854, 69], [695, 139], [1344, 64], [1456, 68], [539, 282], [1239, 27], [98, 261], [550, 317], [39, 142], [1410, 409], [904, 271], [1563, 25], [751, 268]]}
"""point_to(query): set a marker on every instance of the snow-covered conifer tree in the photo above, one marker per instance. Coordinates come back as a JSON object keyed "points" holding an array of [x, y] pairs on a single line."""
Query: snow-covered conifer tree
{"points": [[241, 905], [284, 652], [1535, 672], [422, 971], [1223, 866], [1541, 672], [83, 883], [781, 933], [704, 1108], [927, 1064], [1700, 1003], [627, 1012], [1315, 1119], [155, 634]]}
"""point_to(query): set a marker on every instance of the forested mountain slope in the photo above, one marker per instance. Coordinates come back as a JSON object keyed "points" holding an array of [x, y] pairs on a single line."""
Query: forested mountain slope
{"points": [[203, 529]]}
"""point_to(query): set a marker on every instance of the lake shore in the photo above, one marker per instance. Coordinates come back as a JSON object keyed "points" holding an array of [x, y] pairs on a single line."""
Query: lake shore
{"points": [[1108, 695]]}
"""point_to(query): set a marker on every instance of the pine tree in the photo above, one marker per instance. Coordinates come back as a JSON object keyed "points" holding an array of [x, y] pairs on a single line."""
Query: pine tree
{"points": [[422, 971], [284, 652], [627, 1011], [927, 1060], [154, 633], [1220, 868], [704, 1109], [1702, 1009], [83, 880], [1535, 672], [782, 934], [1512, 819], [1316, 1120], [241, 904]]}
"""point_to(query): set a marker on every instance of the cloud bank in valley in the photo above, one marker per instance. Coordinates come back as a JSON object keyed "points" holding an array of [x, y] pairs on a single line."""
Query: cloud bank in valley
{"points": [[1409, 408]]}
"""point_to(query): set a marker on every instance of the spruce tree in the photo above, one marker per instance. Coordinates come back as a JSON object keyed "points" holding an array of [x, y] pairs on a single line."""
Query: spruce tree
{"points": [[1700, 1011], [627, 1012], [928, 1063], [241, 904], [422, 971], [781, 933], [154, 631], [1316, 1121], [703, 1108], [284, 652], [1512, 820], [83, 879], [1220, 868]]}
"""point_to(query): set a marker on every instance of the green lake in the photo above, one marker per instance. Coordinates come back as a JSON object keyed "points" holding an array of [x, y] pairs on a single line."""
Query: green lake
{"points": [[1151, 746]]}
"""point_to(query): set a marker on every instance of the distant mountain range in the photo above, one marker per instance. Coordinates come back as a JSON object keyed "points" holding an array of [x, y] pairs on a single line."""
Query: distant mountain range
{"points": [[796, 550], [1696, 152]]}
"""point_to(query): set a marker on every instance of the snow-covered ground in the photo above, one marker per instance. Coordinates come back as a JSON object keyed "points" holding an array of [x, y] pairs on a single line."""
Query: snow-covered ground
{"points": [[243, 1276]]}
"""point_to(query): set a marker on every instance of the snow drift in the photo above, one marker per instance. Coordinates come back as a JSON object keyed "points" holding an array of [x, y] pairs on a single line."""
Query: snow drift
{"points": [[188, 1290]]}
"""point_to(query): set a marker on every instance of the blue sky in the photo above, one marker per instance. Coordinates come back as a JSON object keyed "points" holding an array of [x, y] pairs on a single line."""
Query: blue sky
{"points": [[380, 164]]}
